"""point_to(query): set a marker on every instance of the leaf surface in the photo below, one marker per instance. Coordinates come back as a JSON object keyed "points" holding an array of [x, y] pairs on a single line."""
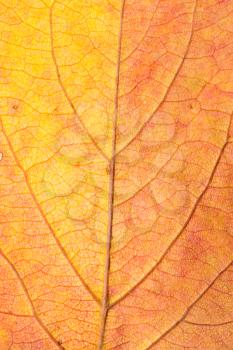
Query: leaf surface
{"points": [[116, 175]]}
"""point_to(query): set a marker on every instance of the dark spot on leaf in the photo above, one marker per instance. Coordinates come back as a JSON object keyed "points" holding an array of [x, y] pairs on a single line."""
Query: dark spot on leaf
{"points": [[59, 342]]}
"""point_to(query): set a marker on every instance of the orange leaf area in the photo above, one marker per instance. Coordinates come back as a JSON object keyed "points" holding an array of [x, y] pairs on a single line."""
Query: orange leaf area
{"points": [[116, 175]]}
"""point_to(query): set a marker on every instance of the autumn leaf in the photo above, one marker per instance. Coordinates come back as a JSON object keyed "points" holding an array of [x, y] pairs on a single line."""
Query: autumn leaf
{"points": [[116, 175]]}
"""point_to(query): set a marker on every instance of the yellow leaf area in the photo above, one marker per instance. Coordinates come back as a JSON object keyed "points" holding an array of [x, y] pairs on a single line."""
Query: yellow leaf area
{"points": [[116, 175]]}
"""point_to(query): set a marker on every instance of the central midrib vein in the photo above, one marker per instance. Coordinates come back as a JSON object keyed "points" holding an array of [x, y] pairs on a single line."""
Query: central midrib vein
{"points": [[112, 161]]}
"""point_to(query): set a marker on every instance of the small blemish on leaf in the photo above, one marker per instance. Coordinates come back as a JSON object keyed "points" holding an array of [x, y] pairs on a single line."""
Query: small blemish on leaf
{"points": [[194, 106], [14, 107], [59, 342]]}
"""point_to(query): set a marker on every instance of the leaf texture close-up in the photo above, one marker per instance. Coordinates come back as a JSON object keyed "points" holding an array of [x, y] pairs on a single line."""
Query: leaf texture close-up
{"points": [[116, 175]]}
